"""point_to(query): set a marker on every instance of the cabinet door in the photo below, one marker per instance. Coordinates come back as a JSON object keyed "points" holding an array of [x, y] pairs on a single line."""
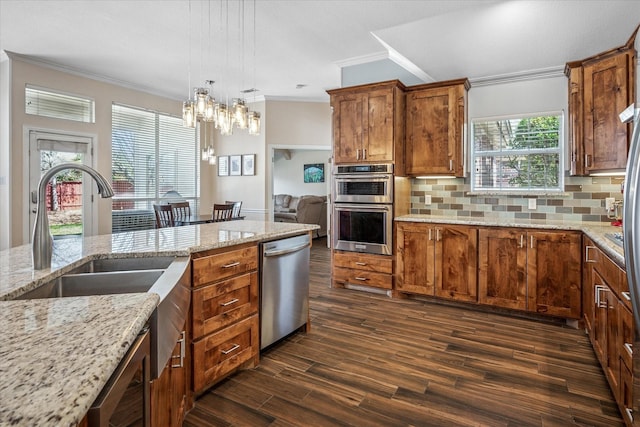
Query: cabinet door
{"points": [[456, 262], [502, 273], [599, 329], [576, 120], [587, 284], [348, 127], [431, 136], [415, 258], [554, 280], [606, 94], [377, 143]]}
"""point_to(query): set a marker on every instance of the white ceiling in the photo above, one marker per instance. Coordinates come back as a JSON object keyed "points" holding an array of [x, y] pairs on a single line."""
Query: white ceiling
{"points": [[145, 44]]}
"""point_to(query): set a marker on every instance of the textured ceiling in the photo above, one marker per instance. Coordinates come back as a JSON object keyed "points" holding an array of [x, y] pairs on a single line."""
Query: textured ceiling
{"points": [[167, 46]]}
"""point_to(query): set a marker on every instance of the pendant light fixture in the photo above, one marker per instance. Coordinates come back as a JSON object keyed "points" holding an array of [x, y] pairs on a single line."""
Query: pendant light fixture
{"points": [[203, 106]]}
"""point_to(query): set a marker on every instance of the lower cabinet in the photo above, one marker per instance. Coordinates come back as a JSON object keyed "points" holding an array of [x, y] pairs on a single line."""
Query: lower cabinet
{"points": [[609, 322], [438, 260], [362, 269], [520, 269], [169, 392], [224, 313]]}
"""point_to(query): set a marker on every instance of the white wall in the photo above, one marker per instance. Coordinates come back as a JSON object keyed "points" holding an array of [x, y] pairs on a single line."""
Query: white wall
{"points": [[288, 173], [5, 153]]}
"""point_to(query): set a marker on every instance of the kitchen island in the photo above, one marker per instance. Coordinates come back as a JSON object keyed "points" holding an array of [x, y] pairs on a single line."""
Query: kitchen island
{"points": [[57, 354]]}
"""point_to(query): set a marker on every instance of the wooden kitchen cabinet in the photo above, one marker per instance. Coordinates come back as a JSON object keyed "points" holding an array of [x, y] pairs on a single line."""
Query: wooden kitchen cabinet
{"points": [[435, 123], [438, 260], [612, 326], [520, 269], [170, 391], [224, 314], [368, 124], [600, 88], [362, 269]]}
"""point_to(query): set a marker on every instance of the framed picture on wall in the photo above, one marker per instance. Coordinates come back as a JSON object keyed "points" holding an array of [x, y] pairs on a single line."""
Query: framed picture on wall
{"points": [[223, 165], [314, 173], [235, 167], [248, 164]]}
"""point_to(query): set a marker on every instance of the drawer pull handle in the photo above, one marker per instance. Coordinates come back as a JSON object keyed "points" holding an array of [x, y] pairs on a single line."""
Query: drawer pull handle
{"points": [[629, 412], [626, 296], [233, 301], [360, 263], [362, 279], [586, 254], [629, 348], [233, 264], [231, 350]]}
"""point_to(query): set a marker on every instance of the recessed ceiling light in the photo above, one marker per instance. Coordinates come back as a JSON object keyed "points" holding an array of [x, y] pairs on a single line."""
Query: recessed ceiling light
{"points": [[300, 86], [253, 89]]}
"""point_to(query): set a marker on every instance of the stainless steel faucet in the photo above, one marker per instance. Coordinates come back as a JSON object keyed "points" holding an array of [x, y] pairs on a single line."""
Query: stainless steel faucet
{"points": [[42, 241]]}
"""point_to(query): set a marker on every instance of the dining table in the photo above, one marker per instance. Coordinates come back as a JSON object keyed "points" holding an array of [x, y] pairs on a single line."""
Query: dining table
{"points": [[201, 219]]}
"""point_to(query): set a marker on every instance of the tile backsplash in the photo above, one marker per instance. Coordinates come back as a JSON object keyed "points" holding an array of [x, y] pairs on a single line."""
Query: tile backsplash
{"points": [[582, 200]]}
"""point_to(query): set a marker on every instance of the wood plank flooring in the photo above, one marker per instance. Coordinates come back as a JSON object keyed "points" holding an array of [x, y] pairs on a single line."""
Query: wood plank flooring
{"points": [[374, 361]]}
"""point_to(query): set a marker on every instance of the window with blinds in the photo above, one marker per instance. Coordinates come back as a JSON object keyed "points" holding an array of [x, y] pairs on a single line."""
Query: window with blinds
{"points": [[154, 160], [522, 154], [48, 103]]}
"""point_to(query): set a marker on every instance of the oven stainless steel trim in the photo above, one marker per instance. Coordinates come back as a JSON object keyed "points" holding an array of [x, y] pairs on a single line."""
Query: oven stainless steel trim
{"points": [[366, 247], [387, 197]]}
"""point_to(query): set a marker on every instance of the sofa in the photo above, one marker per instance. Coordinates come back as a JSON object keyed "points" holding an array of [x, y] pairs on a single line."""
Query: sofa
{"points": [[307, 209]]}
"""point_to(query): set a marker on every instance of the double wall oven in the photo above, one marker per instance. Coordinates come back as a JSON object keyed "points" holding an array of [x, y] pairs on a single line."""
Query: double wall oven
{"points": [[363, 208]]}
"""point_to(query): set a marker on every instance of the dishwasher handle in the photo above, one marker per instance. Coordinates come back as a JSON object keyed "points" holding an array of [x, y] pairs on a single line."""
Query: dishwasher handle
{"points": [[285, 251]]}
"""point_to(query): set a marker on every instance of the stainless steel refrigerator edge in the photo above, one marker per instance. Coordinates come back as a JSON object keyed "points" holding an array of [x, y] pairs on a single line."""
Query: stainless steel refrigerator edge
{"points": [[284, 288]]}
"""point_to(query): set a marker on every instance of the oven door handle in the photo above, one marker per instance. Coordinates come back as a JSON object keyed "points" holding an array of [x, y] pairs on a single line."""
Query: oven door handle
{"points": [[363, 208], [348, 178]]}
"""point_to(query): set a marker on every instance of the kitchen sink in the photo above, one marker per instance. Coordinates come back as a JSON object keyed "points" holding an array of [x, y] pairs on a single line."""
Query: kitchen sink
{"points": [[169, 277], [104, 277]]}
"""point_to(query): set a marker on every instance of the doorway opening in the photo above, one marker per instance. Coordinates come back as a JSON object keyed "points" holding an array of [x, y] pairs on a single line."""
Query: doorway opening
{"points": [[69, 196]]}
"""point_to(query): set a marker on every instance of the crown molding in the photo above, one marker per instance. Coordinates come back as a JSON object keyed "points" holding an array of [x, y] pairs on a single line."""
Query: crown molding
{"points": [[537, 74], [296, 99], [86, 74], [364, 59], [402, 61]]}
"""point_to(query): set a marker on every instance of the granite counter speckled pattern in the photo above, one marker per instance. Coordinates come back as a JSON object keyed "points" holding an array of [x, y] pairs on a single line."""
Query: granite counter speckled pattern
{"points": [[57, 354], [596, 231], [16, 268]]}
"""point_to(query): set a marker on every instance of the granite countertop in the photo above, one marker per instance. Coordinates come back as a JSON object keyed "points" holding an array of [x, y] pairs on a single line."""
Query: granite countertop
{"points": [[596, 231], [57, 354]]}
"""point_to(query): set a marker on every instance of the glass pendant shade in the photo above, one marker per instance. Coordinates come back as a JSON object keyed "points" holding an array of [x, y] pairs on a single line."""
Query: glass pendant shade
{"points": [[240, 114], [254, 123], [212, 159], [188, 114], [225, 120], [210, 110], [201, 97]]}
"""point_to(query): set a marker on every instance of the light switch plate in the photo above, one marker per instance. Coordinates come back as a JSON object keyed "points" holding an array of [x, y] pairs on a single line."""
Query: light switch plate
{"points": [[533, 204], [427, 199]]}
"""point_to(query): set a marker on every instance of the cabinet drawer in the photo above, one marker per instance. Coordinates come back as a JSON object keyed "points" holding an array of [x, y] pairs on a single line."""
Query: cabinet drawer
{"points": [[626, 334], [218, 354], [363, 277], [626, 394], [377, 263], [221, 304], [609, 271], [225, 264]]}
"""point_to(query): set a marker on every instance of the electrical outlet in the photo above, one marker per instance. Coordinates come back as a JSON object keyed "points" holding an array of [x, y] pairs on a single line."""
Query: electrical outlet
{"points": [[427, 199], [608, 203], [533, 204]]}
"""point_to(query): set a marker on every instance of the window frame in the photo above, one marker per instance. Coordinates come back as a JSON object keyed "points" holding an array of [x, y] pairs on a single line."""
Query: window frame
{"points": [[560, 150], [194, 199], [44, 91]]}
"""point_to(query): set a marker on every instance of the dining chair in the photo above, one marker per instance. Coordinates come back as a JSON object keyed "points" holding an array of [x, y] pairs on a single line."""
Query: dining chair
{"points": [[164, 216], [236, 208], [222, 212], [181, 211]]}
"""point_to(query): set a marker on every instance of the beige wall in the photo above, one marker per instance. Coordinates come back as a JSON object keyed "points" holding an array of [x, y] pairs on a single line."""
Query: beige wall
{"points": [[284, 123], [103, 93]]}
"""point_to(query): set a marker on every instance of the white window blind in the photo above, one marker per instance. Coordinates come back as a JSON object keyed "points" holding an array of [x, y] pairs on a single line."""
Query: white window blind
{"points": [[522, 154], [154, 160], [49, 103]]}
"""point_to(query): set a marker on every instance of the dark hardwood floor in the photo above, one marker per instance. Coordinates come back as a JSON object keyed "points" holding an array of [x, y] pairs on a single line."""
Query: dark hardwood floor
{"points": [[374, 361]]}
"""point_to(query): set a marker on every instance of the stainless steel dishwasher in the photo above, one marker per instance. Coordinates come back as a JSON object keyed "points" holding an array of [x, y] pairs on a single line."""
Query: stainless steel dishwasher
{"points": [[284, 288]]}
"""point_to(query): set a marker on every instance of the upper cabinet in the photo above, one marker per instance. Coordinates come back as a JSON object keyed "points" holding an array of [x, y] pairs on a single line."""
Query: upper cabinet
{"points": [[368, 124], [600, 87], [436, 116]]}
